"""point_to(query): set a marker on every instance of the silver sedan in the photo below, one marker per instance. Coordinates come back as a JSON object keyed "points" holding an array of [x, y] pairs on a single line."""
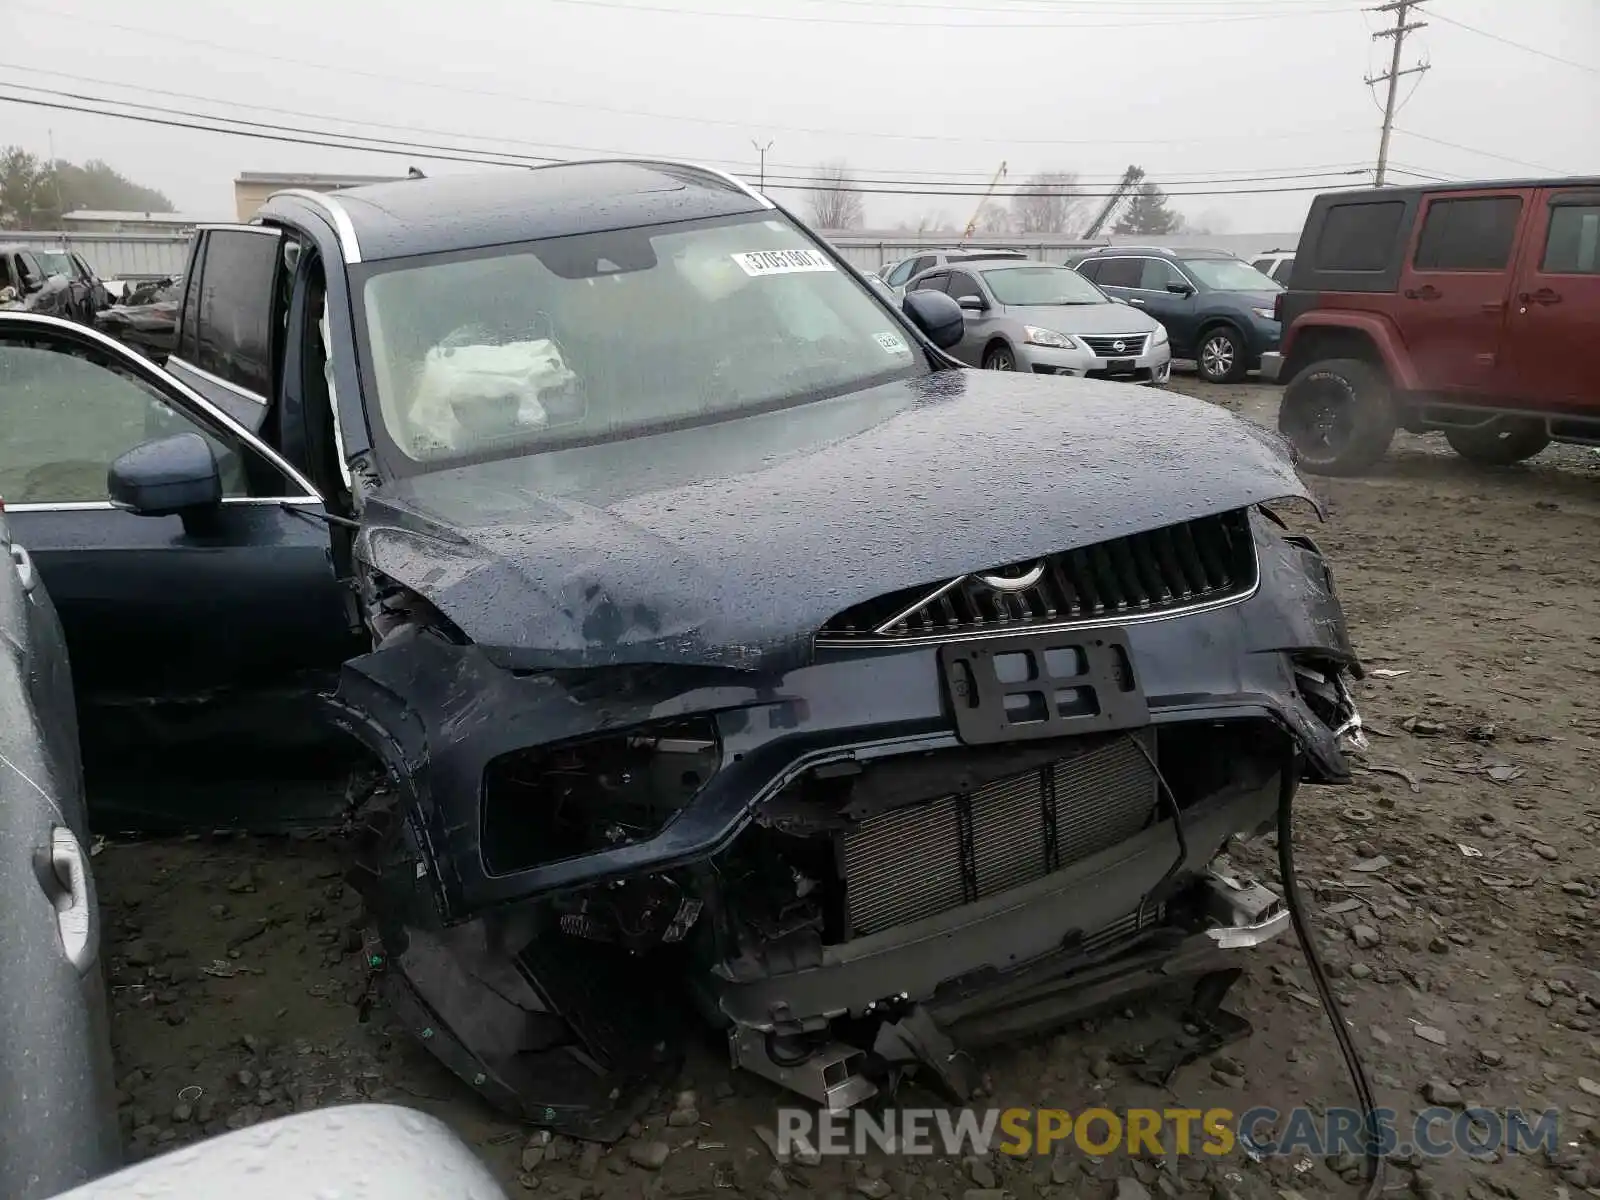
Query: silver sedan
{"points": [[1033, 316]]}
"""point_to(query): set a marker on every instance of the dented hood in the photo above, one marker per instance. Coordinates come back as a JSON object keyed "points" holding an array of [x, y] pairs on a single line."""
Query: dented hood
{"points": [[730, 544]]}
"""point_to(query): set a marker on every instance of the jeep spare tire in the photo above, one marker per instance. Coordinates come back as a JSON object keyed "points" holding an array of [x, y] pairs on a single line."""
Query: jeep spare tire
{"points": [[1499, 443], [1339, 415]]}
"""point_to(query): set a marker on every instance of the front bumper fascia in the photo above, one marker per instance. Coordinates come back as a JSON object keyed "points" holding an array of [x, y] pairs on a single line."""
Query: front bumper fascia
{"points": [[438, 712]]}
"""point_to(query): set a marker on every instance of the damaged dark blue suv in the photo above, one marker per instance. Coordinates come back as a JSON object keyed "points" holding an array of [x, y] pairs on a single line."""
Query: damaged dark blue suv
{"points": [[726, 643]]}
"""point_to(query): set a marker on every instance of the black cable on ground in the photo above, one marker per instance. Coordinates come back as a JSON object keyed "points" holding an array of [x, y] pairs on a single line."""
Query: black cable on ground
{"points": [[1319, 979]]}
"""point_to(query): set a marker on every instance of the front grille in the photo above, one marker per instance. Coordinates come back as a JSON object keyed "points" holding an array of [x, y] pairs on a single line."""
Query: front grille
{"points": [[926, 859], [1204, 561], [1105, 346]]}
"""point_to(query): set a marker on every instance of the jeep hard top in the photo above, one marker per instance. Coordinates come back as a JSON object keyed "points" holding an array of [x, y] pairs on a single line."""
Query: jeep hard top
{"points": [[1463, 308]]}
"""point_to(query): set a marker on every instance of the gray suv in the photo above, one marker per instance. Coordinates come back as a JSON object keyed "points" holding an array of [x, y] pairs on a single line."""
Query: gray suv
{"points": [[898, 274]]}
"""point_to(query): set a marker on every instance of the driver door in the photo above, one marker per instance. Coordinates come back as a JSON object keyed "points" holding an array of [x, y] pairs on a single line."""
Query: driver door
{"points": [[172, 622]]}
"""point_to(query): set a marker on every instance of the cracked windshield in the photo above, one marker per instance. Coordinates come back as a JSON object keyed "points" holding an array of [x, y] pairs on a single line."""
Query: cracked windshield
{"points": [[861, 599]]}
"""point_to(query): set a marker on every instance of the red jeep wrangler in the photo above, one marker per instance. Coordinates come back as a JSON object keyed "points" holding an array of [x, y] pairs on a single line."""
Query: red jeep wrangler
{"points": [[1472, 309]]}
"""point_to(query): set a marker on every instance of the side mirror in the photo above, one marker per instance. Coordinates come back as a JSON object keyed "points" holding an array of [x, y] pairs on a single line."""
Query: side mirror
{"points": [[1180, 289], [972, 303], [175, 475], [938, 317], [31, 285]]}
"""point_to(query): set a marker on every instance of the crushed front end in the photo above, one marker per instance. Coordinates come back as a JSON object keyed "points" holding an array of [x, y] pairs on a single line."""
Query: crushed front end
{"points": [[983, 807]]}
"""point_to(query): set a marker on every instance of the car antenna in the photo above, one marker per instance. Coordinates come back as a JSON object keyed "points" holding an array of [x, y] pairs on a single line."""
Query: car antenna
{"points": [[415, 173]]}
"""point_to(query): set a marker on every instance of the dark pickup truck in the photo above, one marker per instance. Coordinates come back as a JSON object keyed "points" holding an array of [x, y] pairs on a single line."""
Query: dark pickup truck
{"points": [[725, 642]]}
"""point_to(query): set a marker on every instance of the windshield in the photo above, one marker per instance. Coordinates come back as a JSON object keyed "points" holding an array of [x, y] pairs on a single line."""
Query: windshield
{"points": [[611, 335], [55, 262], [1042, 285], [1230, 275]]}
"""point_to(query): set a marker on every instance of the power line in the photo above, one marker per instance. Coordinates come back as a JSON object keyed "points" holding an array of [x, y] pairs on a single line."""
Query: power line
{"points": [[1505, 41], [862, 174], [506, 157], [797, 18], [346, 70], [1401, 10], [1516, 162], [289, 134]]}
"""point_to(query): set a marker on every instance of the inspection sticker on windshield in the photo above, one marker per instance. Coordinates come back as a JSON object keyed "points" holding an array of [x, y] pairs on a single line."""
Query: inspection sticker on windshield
{"points": [[781, 262], [892, 342]]}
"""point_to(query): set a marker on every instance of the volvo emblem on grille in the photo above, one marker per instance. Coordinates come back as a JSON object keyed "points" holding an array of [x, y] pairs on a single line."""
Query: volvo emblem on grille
{"points": [[1014, 583], [1119, 346]]}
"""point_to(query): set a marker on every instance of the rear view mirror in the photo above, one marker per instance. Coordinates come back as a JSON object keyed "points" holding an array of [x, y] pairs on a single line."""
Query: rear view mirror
{"points": [[938, 317], [167, 476], [1179, 288]]}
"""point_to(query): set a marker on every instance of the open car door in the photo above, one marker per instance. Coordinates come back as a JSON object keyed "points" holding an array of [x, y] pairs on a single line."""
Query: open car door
{"points": [[190, 563]]}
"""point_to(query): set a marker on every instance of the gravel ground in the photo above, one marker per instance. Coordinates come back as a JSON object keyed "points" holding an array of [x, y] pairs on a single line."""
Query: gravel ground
{"points": [[1456, 883]]}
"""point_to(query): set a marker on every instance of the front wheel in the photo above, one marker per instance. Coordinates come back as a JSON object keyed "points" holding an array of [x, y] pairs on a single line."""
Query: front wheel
{"points": [[1499, 443], [999, 358], [1221, 355], [1339, 415]]}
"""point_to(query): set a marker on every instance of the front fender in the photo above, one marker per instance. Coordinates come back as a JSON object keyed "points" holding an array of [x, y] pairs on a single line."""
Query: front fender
{"points": [[1385, 339]]}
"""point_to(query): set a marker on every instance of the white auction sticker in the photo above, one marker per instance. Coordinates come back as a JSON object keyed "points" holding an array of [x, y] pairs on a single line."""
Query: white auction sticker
{"points": [[781, 262], [892, 342]]}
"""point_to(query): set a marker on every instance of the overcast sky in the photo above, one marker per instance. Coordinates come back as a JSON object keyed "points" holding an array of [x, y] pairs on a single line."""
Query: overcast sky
{"points": [[1192, 90]]}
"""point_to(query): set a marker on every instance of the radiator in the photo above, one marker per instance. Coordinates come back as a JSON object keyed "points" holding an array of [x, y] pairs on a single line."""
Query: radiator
{"points": [[929, 858]]}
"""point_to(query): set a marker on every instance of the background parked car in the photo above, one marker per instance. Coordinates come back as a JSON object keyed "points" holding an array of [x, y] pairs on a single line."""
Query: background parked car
{"points": [[56, 1102], [1276, 265], [26, 285], [898, 274], [1217, 308], [147, 319], [1038, 317], [88, 293]]}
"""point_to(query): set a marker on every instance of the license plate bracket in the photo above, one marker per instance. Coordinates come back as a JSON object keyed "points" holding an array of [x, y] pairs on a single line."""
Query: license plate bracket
{"points": [[1122, 366], [1038, 685]]}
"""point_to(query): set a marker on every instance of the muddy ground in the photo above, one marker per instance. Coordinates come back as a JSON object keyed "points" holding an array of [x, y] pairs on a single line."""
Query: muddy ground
{"points": [[1456, 881]]}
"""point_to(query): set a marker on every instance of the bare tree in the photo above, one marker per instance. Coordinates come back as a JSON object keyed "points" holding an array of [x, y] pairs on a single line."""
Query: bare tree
{"points": [[1050, 203], [994, 218], [834, 203]]}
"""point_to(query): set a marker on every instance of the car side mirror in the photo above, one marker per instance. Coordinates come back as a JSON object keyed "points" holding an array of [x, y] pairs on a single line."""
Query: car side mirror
{"points": [[1180, 289], [972, 303], [31, 285], [938, 317], [176, 475]]}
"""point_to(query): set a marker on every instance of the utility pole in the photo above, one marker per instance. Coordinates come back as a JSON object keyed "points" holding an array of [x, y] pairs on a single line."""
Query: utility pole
{"points": [[762, 151], [1401, 10]]}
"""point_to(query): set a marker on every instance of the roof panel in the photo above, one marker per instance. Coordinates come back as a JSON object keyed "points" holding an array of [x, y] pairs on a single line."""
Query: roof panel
{"points": [[446, 213]]}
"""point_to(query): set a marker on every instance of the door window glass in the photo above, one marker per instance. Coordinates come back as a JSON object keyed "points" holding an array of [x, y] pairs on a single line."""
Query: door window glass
{"points": [[65, 416], [236, 301], [1089, 269], [1120, 272], [933, 283], [1157, 273], [1283, 270], [963, 285], [900, 273], [1572, 247], [1474, 234]]}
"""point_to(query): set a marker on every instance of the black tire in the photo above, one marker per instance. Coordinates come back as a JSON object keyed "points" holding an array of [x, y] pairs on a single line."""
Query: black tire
{"points": [[1220, 355], [999, 358], [1499, 443], [1339, 415]]}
